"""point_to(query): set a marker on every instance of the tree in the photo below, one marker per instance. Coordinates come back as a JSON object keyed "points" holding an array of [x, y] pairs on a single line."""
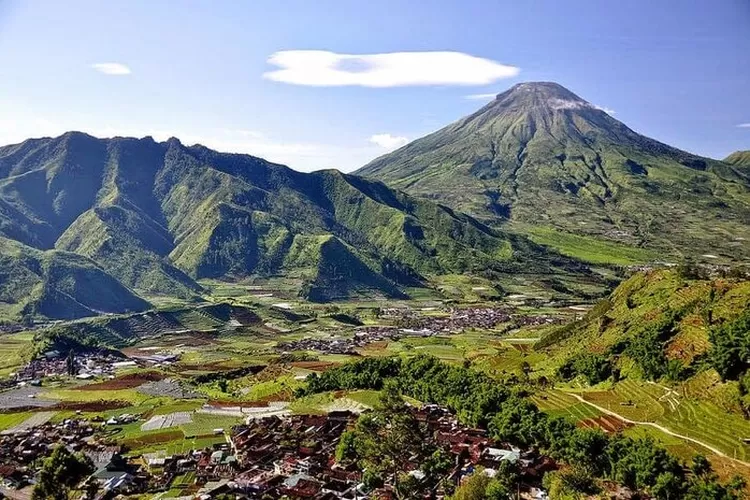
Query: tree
{"points": [[60, 473], [700, 466], [668, 486], [346, 449], [517, 423], [222, 383], [474, 487], [70, 363], [386, 439], [730, 347], [437, 464], [479, 486]]}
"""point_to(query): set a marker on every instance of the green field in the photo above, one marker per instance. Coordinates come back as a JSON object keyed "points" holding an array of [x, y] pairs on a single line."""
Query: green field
{"points": [[13, 347], [588, 248]]}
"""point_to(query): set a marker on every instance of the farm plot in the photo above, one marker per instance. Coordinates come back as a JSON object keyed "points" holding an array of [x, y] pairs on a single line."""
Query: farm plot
{"points": [[170, 388], [12, 349], [557, 403], [166, 421], [25, 397], [607, 423], [34, 420], [711, 425], [632, 400], [204, 424], [129, 381]]}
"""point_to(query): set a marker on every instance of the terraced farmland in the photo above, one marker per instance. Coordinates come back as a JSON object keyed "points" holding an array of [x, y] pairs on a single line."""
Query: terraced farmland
{"points": [[699, 420], [557, 403], [631, 399], [711, 425], [12, 349]]}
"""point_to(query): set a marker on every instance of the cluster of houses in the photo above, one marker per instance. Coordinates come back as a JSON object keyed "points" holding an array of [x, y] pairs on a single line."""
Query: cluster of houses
{"points": [[293, 457], [411, 324], [21, 450], [363, 336], [82, 365], [272, 457], [485, 318]]}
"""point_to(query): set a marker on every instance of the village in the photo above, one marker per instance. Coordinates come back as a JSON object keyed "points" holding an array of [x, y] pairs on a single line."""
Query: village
{"points": [[275, 453], [410, 323], [271, 457]]}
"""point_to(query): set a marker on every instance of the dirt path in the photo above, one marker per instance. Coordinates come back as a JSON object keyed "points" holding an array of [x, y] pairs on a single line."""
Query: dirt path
{"points": [[661, 428]]}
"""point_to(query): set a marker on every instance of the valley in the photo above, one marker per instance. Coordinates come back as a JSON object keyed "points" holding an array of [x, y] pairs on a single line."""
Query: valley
{"points": [[170, 383]]}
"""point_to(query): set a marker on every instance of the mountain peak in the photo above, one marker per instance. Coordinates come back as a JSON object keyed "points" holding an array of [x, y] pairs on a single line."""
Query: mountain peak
{"points": [[541, 94]]}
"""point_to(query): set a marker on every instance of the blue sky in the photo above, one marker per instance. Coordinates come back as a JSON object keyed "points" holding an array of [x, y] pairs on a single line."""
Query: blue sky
{"points": [[676, 70]]}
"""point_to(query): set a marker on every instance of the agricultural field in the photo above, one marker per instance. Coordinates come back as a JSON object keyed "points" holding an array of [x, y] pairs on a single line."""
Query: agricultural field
{"points": [[656, 407], [13, 347]]}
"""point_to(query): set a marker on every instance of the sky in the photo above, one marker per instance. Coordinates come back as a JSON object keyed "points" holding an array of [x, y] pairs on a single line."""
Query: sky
{"points": [[334, 84]]}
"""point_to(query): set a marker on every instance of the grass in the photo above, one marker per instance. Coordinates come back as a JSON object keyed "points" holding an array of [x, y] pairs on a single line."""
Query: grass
{"points": [[557, 403], [10, 420], [204, 423], [367, 397], [13, 347], [588, 248]]}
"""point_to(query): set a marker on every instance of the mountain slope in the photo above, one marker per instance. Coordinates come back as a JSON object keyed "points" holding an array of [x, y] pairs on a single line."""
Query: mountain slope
{"points": [[741, 158], [160, 216], [58, 284], [668, 324], [539, 154]]}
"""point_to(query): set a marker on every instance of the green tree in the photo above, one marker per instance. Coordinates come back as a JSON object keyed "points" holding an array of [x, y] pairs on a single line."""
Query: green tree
{"points": [[473, 487], [346, 449], [437, 464], [60, 473], [700, 466], [386, 439]]}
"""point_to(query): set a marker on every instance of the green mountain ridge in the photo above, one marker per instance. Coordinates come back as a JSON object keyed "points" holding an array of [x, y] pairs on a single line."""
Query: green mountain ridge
{"points": [[58, 284], [160, 216], [540, 155], [739, 158]]}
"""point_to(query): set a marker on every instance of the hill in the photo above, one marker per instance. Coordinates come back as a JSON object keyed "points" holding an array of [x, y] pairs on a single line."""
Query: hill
{"points": [[543, 158], [158, 217], [671, 325], [58, 284], [741, 158]]}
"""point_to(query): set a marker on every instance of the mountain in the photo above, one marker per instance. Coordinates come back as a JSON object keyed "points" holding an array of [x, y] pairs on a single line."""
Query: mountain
{"points": [[741, 158], [539, 156], [58, 284], [158, 217]]}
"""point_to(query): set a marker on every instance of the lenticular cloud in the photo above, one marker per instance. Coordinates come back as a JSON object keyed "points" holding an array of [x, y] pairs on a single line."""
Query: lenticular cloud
{"points": [[398, 69]]}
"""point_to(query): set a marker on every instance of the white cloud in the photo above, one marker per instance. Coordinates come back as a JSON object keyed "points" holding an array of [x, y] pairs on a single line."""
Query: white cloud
{"points": [[743, 125], [322, 68], [480, 97], [111, 68], [607, 110], [388, 141]]}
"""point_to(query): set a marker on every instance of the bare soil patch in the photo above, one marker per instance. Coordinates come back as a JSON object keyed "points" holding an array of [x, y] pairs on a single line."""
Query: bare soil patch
{"points": [[125, 382], [607, 423], [155, 438], [317, 366]]}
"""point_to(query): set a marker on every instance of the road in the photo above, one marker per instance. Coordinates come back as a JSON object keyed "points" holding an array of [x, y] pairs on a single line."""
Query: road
{"points": [[661, 428]]}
